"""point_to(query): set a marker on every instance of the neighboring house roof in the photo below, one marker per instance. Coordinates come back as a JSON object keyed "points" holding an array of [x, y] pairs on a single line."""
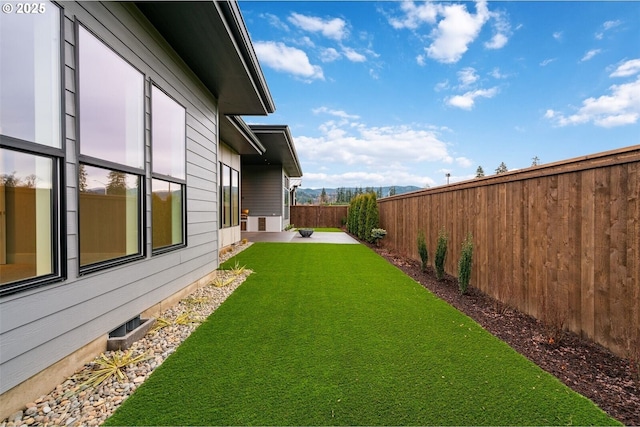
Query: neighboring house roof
{"points": [[280, 149], [211, 37], [236, 133]]}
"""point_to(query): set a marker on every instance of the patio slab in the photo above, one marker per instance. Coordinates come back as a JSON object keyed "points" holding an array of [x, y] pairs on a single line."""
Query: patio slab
{"points": [[295, 237]]}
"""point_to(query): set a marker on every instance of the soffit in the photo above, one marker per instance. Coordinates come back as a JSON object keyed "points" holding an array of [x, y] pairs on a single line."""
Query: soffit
{"points": [[212, 39]]}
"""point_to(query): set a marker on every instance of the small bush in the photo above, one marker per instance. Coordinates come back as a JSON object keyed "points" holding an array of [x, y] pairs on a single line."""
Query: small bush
{"points": [[377, 234], [441, 253], [464, 264], [422, 251]]}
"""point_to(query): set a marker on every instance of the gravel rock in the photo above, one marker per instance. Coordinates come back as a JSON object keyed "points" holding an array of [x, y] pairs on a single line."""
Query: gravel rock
{"points": [[73, 403]]}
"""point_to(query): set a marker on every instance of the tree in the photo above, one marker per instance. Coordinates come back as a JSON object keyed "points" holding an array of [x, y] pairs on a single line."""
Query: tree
{"points": [[479, 172], [392, 191], [82, 178], [372, 216], [323, 197], [501, 169], [117, 183]]}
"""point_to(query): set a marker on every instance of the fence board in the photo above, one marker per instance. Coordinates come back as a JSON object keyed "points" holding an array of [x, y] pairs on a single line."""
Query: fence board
{"points": [[563, 235], [317, 215]]}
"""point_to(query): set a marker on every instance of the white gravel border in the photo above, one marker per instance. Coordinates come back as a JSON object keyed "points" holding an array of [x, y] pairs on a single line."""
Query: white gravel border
{"points": [[74, 404]]}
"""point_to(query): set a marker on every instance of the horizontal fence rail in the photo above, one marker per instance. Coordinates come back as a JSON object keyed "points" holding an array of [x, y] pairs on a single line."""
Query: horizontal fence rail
{"points": [[318, 215], [559, 242]]}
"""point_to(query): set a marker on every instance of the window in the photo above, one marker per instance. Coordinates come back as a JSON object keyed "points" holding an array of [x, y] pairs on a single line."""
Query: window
{"points": [[27, 233], [111, 170], [229, 197], [30, 100], [235, 198], [226, 195], [286, 197], [109, 214], [168, 141], [168, 133], [111, 105], [167, 211], [32, 150]]}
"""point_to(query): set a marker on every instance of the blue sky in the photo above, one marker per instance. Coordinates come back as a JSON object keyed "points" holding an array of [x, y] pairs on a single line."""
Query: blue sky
{"points": [[401, 93]]}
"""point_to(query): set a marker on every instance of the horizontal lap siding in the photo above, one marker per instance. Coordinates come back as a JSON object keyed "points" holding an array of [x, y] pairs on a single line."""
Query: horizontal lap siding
{"points": [[43, 325], [262, 190], [561, 237]]}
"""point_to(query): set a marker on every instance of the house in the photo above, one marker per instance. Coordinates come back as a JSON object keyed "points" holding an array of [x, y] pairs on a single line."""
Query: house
{"points": [[122, 155], [267, 190]]}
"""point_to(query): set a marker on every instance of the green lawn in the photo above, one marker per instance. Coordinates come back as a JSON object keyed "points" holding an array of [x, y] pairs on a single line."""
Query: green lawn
{"points": [[326, 334]]}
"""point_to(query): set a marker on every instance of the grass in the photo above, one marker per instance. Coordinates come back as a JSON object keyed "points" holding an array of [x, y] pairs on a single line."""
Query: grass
{"points": [[334, 335]]}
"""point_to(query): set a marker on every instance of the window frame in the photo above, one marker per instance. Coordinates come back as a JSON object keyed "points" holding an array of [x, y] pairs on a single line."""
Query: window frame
{"points": [[107, 164], [234, 220], [168, 178], [58, 183]]}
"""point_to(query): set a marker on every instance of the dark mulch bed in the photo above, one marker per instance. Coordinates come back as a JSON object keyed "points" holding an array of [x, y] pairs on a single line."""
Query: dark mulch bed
{"points": [[586, 367]]}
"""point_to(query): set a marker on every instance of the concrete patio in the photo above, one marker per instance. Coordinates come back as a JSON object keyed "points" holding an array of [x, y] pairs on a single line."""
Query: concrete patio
{"points": [[295, 237]]}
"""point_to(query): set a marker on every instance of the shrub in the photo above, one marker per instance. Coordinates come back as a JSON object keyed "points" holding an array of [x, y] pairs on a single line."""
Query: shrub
{"points": [[377, 234], [464, 264], [441, 253], [372, 218], [362, 216], [422, 250]]}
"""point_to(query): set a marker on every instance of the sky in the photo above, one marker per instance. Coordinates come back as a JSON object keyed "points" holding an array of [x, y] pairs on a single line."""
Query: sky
{"points": [[380, 93]]}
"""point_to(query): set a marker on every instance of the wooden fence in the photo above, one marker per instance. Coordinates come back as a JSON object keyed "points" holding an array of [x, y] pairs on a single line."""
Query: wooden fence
{"points": [[318, 215], [558, 241]]}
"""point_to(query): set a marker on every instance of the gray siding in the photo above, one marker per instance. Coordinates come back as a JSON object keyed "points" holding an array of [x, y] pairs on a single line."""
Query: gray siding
{"points": [[262, 190], [41, 326]]}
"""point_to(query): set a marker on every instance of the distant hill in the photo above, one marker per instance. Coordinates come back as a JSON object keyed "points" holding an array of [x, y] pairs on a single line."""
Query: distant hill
{"points": [[312, 195]]}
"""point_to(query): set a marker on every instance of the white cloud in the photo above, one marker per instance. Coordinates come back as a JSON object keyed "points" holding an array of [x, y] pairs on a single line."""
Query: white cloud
{"points": [[502, 30], [442, 86], [467, 100], [467, 76], [611, 24], [390, 176], [352, 143], [421, 60], [287, 59], [329, 55], [352, 55], [608, 25], [497, 42], [590, 54], [626, 69], [416, 15], [275, 21], [456, 31], [455, 27], [547, 62], [464, 162], [621, 107], [337, 113], [558, 35], [497, 74], [335, 28]]}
